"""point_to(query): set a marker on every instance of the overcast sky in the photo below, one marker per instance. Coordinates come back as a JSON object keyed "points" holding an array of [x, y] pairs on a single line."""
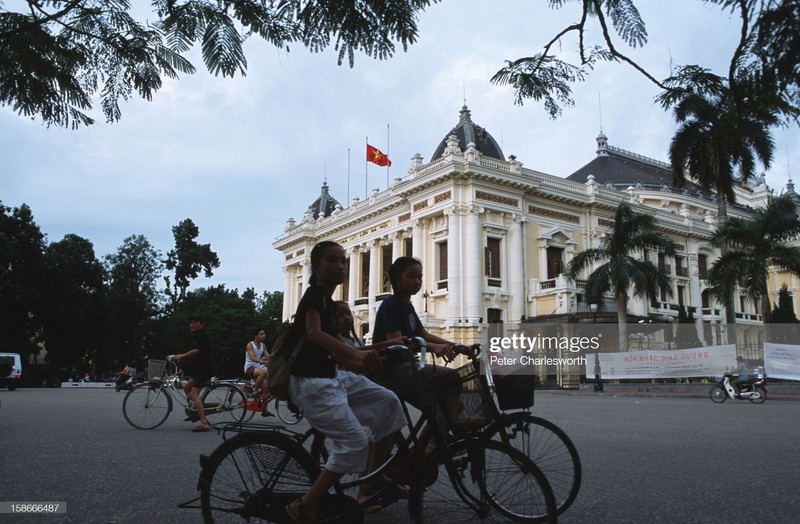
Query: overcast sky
{"points": [[239, 157]]}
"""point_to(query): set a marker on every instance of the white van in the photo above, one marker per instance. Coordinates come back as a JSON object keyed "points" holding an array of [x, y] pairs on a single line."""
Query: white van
{"points": [[10, 370]]}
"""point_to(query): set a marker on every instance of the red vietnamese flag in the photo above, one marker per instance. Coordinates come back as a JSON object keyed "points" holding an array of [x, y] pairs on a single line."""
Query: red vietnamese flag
{"points": [[375, 156]]}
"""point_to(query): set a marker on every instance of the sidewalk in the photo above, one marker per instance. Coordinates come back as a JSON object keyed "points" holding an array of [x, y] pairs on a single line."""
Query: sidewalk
{"points": [[774, 391]]}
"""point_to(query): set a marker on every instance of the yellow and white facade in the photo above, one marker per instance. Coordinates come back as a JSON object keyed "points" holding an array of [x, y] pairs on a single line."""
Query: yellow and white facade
{"points": [[494, 237]]}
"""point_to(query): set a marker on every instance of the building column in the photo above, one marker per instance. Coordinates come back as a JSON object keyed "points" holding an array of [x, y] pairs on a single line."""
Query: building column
{"points": [[352, 284], [473, 257], [418, 248], [543, 259], [397, 246], [374, 280], [289, 300], [454, 272], [516, 280]]}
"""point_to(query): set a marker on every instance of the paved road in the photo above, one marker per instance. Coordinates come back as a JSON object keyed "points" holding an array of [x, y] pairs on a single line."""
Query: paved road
{"points": [[645, 459]]}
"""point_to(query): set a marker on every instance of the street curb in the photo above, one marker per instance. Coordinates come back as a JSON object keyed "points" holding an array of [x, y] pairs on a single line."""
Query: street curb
{"points": [[654, 394]]}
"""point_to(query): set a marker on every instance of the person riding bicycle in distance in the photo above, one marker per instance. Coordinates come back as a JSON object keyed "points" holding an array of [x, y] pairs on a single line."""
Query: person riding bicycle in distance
{"points": [[256, 359], [198, 363], [743, 372]]}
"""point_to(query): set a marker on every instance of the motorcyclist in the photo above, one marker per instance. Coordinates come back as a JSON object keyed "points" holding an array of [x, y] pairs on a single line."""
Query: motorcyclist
{"points": [[741, 373]]}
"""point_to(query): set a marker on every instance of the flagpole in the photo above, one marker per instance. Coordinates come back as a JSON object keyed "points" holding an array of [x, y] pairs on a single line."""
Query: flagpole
{"points": [[366, 141], [348, 177], [388, 154]]}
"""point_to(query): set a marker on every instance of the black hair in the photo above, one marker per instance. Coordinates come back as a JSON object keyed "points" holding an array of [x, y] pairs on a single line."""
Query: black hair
{"points": [[258, 330], [197, 318], [316, 258], [352, 333], [400, 265]]}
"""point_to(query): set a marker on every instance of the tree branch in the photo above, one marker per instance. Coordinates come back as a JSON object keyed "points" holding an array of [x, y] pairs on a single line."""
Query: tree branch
{"points": [[617, 54], [40, 21]]}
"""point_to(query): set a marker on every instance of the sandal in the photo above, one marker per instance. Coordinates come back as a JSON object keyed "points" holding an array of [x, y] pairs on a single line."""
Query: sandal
{"points": [[299, 514], [200, 429]]}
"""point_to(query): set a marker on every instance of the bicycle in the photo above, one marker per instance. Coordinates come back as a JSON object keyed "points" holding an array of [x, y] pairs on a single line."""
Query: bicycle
{"points": [[287, 412], [539, 439], [147, 405], [258, 471]]}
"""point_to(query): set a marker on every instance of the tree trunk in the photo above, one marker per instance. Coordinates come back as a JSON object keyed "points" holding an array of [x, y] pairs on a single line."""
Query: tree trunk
{"points": [[622, 321], [722, 215]]}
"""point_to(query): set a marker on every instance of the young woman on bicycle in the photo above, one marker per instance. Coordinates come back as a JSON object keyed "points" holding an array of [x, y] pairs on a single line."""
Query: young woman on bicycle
{"points": [[256, 359], [337, 402], [397, 318]]}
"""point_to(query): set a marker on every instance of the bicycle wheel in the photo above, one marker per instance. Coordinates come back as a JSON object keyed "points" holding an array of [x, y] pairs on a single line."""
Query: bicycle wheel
{"points": [[516, 486], [249, 413], [253, 476], [225, 400], [146, 406], [289, 414], [551, 450], [505, 485]]}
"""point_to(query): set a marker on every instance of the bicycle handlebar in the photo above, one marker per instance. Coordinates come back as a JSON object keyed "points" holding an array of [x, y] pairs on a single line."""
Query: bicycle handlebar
{"points": [[396, 352]]}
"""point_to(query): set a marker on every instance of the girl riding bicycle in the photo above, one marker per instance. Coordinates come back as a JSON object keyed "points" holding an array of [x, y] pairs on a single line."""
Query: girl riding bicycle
{"points": [[256, 359], [337, 402]]}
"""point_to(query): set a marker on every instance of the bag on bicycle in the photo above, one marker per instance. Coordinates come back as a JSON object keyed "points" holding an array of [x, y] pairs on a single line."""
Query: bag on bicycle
{"points": [[280, 361]]}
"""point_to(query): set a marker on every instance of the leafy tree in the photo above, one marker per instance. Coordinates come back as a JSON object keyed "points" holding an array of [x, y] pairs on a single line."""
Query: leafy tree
{"points": [[55, 56], [21, 272], [187, 260], [269, 307], [753, 245], [765, 56], [716, 145], [784, 310], [133, 299], [622, 273], [229, 319], [72, 313]]}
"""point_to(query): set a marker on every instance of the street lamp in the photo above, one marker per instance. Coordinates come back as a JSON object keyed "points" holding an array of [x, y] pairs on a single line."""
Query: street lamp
{"points": [[426, 295], [593, 309]]}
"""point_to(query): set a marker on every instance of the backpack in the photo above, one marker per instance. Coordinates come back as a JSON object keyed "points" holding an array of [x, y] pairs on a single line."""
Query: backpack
{"points": [[281, 359]]}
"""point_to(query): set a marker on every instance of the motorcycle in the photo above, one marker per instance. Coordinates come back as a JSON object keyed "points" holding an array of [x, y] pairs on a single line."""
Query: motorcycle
{"points": [[753, 390], [124, 380]]}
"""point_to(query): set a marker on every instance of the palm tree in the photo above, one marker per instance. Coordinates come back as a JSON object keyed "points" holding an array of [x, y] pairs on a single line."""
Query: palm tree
{"points": [[720, 138], [753, 245], [631, 234]]}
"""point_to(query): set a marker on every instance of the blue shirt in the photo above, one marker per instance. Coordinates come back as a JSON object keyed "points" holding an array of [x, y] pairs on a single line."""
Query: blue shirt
{"points": [[394, 315]]}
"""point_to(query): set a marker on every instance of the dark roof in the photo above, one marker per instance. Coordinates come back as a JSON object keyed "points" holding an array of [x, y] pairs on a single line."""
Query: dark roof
{"points": [[325, 204], [467, 131], [619, 169]]}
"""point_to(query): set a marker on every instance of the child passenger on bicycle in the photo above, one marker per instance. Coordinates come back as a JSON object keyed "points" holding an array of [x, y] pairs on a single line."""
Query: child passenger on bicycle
{"points": [[377, 452], [337, 402]]}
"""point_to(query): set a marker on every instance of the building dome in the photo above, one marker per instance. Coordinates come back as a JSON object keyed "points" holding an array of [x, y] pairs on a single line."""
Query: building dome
{"points": [[467, 131], [324, 205]]}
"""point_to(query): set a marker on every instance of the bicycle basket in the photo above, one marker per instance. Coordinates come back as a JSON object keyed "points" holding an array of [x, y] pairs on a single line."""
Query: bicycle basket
{"points": [[155, 370], [471, 409], [514, 391]]}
